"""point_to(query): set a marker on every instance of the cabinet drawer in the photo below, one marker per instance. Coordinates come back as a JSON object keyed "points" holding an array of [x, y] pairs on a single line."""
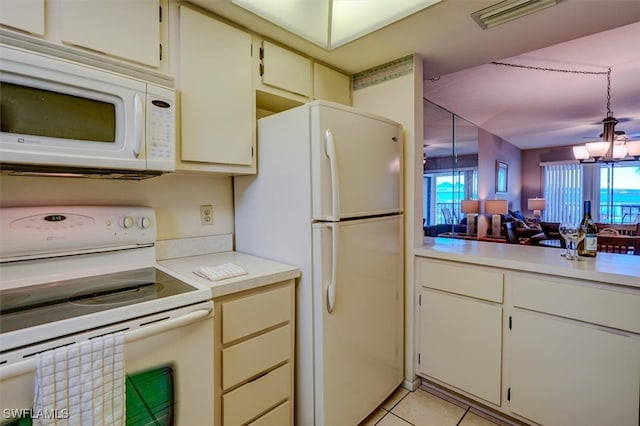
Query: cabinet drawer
{"points": [[249, 358], [252, 314], [258, 396], [465, 280], [279, 416], [611, 308]]}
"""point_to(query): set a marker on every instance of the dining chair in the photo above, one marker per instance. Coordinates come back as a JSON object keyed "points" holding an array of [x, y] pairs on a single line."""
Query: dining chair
{"points": [[619, 244], [448, 218]]}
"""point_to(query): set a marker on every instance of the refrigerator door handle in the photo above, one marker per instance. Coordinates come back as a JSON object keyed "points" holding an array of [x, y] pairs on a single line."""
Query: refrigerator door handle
{"points": [[331, 288], [330, 148]]}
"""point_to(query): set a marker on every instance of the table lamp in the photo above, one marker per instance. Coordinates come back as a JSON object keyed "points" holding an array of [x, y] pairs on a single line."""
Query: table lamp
{"points": [[496, 208], [537, 205], [470, 207]]}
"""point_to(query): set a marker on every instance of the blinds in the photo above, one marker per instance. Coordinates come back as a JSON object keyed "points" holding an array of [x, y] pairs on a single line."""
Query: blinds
{"points": [[563, 192]]}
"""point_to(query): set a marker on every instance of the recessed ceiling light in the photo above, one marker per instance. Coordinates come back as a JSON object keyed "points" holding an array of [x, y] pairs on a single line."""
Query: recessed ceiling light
{"points": [[333, 23]]}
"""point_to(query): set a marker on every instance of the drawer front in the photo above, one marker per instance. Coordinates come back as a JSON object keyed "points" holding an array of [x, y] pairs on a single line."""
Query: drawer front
{"points": [[252, 357], [465, 280], [252, 314], [279, 416], [611, 308], [256, 397]]}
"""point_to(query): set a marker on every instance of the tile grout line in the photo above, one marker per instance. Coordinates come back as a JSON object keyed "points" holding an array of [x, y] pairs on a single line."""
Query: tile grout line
{"points": [[392, 407], [404, 420], [463, 416]]}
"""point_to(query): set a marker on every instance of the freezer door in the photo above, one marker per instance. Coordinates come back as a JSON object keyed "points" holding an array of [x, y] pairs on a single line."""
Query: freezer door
{"points": [[356, 163], [358, 317]]}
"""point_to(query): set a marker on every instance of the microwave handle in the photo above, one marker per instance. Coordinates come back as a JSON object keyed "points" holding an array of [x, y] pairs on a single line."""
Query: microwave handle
{"points": [[138, 125]]}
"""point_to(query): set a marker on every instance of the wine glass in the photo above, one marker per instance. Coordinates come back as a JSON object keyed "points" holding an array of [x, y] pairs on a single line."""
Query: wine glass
{"points": [[562, 229], [574, 234]]}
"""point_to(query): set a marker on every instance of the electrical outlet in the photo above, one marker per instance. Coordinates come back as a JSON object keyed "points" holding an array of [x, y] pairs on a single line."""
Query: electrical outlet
{"points": [[206, 214]]}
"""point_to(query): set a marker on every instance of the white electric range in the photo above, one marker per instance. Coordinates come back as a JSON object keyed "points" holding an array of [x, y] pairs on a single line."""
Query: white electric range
{"points": [[72, 273]]}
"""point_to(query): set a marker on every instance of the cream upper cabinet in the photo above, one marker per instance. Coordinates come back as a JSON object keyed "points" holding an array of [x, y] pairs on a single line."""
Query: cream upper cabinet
{"points": [[23, 15], [216, 96], [124, 29], [286, 70], [331, 85]]}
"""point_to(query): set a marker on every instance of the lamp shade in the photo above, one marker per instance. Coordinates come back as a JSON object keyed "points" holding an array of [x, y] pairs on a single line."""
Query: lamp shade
{"points": [[536, 203], [470, 206], [598, 149], [495, 206], [580, 152], [633, 148]]}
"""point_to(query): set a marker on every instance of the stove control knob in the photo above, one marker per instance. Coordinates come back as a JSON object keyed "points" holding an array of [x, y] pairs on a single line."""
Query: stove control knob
{"points": [[126, 222], [144, 222]]}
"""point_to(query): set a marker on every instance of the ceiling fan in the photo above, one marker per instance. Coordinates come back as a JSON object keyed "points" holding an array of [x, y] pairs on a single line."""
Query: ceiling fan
{"points": [[619, 135]]}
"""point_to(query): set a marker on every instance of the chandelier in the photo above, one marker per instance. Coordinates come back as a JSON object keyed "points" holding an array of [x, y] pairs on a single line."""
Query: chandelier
{"points": [[613, 146]]}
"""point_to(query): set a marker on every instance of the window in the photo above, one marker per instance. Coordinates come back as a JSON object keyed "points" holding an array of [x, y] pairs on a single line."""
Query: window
{"points": [[563, 192], [613, 188], [445, 190], [620, 192]]}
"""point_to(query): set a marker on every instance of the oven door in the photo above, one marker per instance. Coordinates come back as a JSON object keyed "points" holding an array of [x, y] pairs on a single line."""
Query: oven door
{"points": [[181, 346]]}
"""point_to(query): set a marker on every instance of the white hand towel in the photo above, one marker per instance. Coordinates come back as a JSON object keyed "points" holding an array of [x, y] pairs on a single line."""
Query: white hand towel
{"points": [[220, 272], [81, 384]]}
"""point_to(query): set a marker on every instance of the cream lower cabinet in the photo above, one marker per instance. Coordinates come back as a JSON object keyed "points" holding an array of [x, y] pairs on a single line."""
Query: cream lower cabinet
{"points": [[461, 328], [541, 349], [254, 357], [575, 359]]}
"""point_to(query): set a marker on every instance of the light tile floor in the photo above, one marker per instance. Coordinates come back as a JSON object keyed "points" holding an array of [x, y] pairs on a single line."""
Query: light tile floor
{"points": [[421, 408]]}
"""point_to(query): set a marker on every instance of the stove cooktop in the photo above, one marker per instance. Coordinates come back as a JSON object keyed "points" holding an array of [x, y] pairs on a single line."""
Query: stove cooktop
{"points": [[41, 304]]}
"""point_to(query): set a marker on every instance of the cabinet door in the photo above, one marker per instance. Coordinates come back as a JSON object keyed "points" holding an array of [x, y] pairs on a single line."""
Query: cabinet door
{"points": [[331, 85], [23, 15], [216, 91], [125, 29], [461, 343], [285, 70], [569, 373]]}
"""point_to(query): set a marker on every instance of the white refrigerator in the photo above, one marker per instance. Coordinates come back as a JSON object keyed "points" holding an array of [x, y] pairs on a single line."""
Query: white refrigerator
{"points": [[328, 198]]}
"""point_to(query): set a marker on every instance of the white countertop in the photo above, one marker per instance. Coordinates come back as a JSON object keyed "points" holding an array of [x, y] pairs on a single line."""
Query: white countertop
{"points": [[260, 272], [620, 269]]}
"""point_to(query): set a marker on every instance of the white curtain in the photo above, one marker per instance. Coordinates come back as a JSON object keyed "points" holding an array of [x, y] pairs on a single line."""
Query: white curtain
{"points": [[562, 191]]}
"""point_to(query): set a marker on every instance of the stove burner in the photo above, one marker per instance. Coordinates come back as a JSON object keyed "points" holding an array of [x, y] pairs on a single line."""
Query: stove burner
{"points": [[124, 295]]}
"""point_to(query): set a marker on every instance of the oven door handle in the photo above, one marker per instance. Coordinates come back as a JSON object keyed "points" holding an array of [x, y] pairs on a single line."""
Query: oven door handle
{"points": [[162, 326], [29, 365]]}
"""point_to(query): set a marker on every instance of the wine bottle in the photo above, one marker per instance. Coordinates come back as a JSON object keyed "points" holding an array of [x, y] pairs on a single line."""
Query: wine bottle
{"points": [[588, 247]]}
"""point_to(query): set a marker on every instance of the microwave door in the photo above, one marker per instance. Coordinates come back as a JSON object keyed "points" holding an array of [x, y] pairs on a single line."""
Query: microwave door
{"points": [[67, 114]]}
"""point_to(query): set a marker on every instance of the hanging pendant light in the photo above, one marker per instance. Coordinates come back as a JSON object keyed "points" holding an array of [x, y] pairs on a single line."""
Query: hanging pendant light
{"points": [[612, 147]]}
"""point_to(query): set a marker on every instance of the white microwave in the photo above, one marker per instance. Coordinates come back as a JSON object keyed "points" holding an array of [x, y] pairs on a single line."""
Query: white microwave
{"points": [[68, 118]]}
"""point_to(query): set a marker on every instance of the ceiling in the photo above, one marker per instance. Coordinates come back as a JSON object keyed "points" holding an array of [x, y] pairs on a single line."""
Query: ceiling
{"points": [[528, 108]]}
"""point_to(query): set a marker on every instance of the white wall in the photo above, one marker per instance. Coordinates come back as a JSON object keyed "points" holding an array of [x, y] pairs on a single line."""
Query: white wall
{"points": [[400, 99], [176, 198]]}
